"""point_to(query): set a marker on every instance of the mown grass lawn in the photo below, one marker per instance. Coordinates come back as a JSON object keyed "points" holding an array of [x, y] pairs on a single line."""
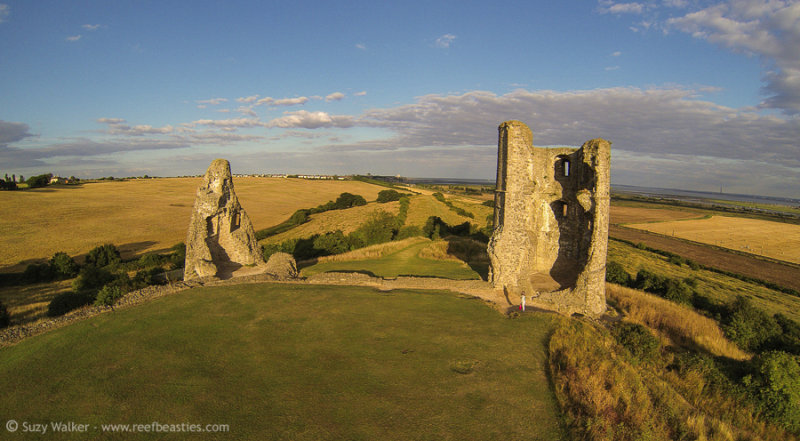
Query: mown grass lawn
{"points": [[292, 362]]}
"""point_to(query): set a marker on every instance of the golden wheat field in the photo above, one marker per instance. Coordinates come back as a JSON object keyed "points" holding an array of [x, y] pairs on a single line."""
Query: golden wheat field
{"points": [[621, 214], [140, 215], [766, 238]]}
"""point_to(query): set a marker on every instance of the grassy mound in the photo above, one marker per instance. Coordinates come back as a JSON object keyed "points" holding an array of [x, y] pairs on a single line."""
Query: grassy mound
{"points": [[292, 362]]}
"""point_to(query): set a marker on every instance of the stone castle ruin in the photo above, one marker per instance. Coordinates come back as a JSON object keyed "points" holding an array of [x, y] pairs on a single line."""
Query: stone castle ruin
{"points": [[551, 222], [221, 238]]}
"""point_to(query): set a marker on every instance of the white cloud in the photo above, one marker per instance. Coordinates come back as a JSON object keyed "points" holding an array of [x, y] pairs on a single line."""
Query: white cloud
{"points": [[73, 38], [213, 101], [247, 99], [263, 101], [311, 120], [247, 110], [5, 11], [228, 123], [616, 54], [335, 96], [118, 126], [611, 68], [361, 46], [445, 41], [91, 27], [289, 101], [362, 93], [769, 29], [609, 7]]}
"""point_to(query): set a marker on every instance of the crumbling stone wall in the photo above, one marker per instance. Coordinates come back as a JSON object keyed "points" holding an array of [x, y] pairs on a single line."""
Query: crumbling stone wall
{"points": [[551, 222], [221, 238]]}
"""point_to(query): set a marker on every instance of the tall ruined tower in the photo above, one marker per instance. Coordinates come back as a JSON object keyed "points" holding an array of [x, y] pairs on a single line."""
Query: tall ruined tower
{"points": [[551, 222], [221, 238]]}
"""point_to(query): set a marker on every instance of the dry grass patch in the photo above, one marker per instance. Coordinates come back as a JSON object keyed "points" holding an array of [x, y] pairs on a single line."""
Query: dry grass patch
{"points": [[766, 238], [140, 215], [373, 251], [424, 206], [28, 303], [679, 323]]}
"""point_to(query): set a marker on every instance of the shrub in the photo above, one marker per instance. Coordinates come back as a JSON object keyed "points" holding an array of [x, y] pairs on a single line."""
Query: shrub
{"points": [[38, 272], [380, 228], [103, 255], [638, 340], [677, 291], [385, 196], [108, 295], [409, 231], [146, 277], [748, 326], [151, 260], [63, 266], [402, 213], [178, 256], [348, 200], [66, 302], [39, 180], [332, 243], [5, 317], [776, 384], [435, 228], [615, 273], [91, 279]]}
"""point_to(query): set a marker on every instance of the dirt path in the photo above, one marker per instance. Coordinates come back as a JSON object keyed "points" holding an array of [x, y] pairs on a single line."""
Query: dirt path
{"points": [[781, 274]]}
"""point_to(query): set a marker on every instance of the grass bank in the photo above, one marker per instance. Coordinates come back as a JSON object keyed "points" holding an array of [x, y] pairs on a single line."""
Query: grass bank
{"points": [[292, 362]]}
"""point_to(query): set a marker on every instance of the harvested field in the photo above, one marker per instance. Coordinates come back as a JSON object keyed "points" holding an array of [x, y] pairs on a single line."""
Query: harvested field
{"points": [[776, 240], [346, 220], [622, 214], [781, 274], [140, 215], [424, 206]]}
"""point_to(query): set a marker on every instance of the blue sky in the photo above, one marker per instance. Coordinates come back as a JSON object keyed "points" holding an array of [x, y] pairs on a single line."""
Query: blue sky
{"points": [[692, 94]]}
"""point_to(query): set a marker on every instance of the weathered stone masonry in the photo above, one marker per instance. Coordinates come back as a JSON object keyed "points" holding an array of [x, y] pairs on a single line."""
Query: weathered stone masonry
{"points": [[221, 238], [551, 222]]}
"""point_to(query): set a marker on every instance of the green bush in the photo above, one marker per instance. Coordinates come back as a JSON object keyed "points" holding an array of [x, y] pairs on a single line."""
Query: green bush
{"points": [[64, 267], [776, 385], [38, 272], [409, 231], [385, 196], [178, 256], [638, 340], [5, 317], [332, 243], [748, 326], [615, 273], [650, 282], [379, 228], [677, 291], [39, 180], [103, 255], [108, 295], [402, 213], [348, 200], [91, 279], [66, 302]]}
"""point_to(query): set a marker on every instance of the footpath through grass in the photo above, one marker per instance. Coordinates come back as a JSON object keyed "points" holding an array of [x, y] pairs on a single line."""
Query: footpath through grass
{"points": [[298, 362]]}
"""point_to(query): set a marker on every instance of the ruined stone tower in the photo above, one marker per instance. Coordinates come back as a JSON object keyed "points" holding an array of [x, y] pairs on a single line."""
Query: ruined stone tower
{"points": [[221, 238], [551, 222]]}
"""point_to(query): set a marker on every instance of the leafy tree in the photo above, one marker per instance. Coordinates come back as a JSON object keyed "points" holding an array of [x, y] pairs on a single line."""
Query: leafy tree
{"points": [[5, 317], [748, 326], [389, 196], [91, 279], [776, 383], [63, 265], [348, 200], [103, 255], [615, 273], [379, 228], [38, 272], [39, 180], [332, 243], [108, 295]]}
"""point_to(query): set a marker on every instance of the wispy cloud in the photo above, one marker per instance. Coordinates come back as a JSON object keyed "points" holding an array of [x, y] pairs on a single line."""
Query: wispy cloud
{"points": [[247, 99], [616, 54], [213, 101], [361, 46], [362, 93], [311, 120], [73, 38], [445, 41], [91, 27]]}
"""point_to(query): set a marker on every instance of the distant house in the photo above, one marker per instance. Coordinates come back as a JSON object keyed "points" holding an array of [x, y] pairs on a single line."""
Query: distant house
{"points": [[59, 180]]}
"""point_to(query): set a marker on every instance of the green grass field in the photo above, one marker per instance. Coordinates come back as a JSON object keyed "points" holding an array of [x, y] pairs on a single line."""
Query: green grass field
{"points": [[404, 262], [298, 362]]}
